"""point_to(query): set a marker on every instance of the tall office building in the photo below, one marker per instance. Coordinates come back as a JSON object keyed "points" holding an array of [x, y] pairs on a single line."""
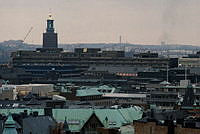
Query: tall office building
{"points": [[50, 39]]}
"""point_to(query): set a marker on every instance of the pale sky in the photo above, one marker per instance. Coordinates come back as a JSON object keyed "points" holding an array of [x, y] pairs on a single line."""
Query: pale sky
{"points": [[103, 21]]}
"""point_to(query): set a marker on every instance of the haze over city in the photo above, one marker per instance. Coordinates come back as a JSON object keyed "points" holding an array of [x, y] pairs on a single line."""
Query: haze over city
{"points": [[99, 67], [103, 21]]}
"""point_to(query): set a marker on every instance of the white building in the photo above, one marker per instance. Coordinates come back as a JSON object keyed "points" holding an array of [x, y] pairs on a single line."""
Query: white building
{"points": [[8, 92], [40, 89]]}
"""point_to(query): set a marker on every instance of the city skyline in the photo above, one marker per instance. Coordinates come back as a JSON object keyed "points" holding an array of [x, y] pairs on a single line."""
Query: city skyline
{"points": [[103, 21]]}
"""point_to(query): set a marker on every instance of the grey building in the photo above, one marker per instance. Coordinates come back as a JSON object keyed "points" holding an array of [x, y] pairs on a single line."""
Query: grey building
{"points": [[38, 125]]}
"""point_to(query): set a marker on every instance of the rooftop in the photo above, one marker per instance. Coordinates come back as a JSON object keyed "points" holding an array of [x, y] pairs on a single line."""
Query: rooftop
{"points": [[76, 118], [122, 95]]}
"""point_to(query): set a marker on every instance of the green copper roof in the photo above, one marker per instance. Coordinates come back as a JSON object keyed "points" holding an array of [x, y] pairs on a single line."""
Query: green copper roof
{"points": [[76, 118], [101, 87], [115, 119], [10, 120], [87, 92], [9, 131], [128, 115], [10, 126], [94, 90]]}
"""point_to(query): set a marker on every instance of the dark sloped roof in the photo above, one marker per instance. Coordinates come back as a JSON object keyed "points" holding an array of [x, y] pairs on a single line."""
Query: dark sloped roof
{"points": [[33, 101], [39, 124]]}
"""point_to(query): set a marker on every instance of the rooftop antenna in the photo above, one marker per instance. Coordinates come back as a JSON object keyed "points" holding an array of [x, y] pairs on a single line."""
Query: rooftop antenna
{"points": [[196, 78], [167, 74], [185, 73], [120, 39]]}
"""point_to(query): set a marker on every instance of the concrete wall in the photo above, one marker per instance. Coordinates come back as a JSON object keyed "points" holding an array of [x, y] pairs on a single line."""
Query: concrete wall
{"points": [[149, 128], [180, 130], [152, 128]]}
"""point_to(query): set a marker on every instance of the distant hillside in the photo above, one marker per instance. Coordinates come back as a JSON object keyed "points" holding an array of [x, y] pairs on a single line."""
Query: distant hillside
{"points": [[16, 45], [127, 45], [19, 45], [7, 47]]}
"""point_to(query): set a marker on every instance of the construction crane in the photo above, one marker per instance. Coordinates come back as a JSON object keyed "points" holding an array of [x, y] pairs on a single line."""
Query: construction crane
{"points": [[27, 34]]}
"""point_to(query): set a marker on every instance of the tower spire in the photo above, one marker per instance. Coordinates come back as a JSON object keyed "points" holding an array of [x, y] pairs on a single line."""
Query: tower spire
{"points": [[50, 39], [50, 16], [50, 24]]}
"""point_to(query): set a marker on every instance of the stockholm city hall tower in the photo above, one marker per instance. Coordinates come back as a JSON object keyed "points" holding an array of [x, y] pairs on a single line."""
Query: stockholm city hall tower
{"points": [[50, 39]]}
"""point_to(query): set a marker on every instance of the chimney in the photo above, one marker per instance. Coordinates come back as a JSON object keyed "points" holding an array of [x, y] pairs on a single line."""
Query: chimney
{"points": [[35, 113], [48, 111]]}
